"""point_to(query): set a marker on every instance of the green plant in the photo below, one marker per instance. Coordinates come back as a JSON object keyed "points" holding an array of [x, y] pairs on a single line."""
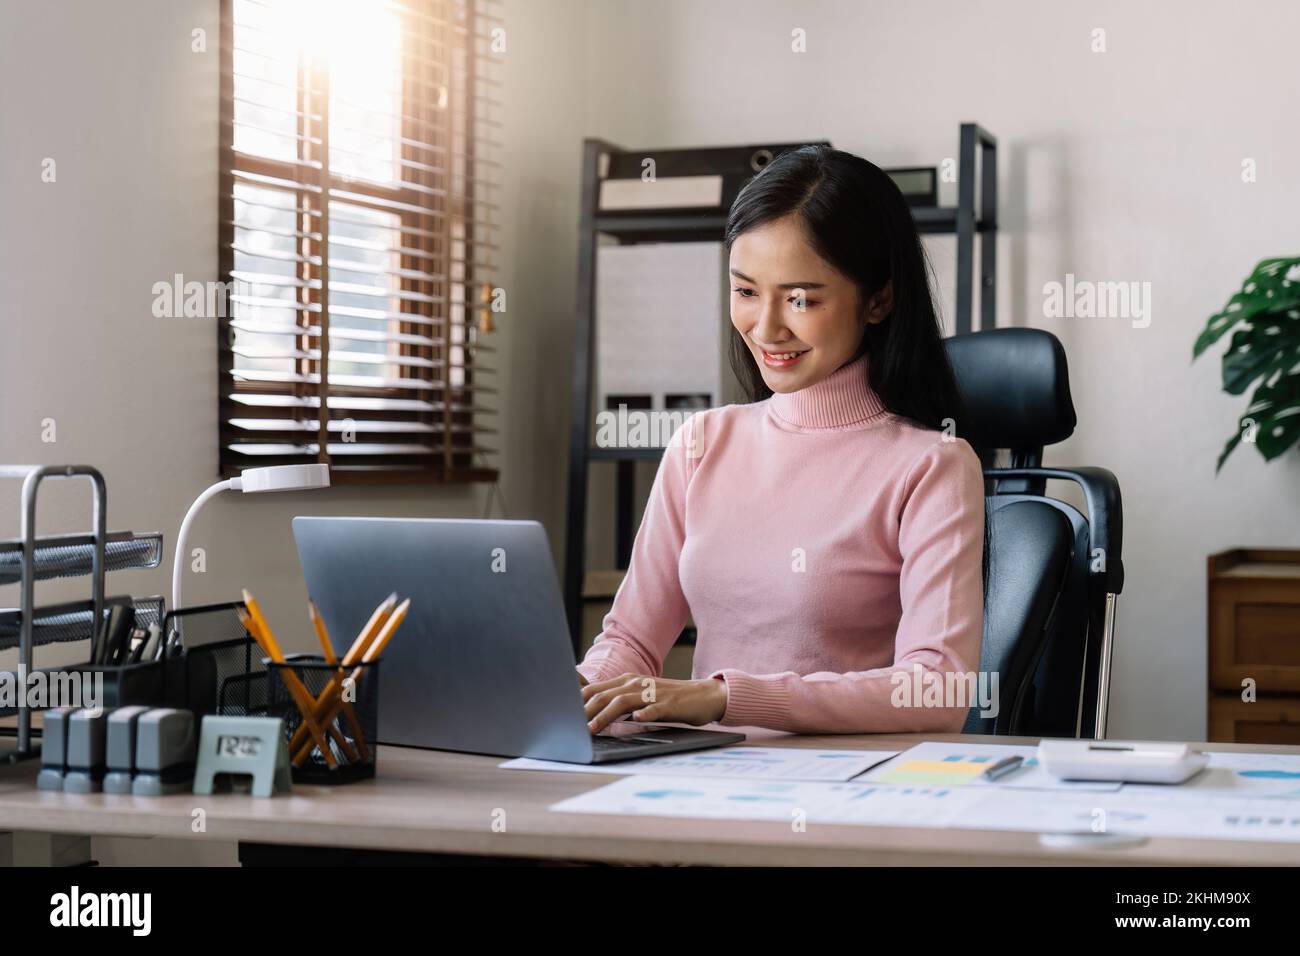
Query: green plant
{"points": [[1265, 349]]}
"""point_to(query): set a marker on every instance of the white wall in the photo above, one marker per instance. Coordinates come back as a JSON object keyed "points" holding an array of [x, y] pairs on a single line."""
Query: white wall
{"points": [[1122, 165], [113, 93]]}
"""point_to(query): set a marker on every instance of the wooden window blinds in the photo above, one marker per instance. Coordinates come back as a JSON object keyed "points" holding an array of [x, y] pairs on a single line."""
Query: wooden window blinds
{"points": [[357, 237]]}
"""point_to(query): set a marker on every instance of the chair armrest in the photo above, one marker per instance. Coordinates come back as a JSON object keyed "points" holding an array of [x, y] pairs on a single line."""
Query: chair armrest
{"points": [[1105, 515]]}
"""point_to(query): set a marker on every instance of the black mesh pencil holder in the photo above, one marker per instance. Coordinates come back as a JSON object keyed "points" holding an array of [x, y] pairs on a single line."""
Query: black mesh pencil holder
{"points": [[227, 678], [338, 745], [223, 669]]}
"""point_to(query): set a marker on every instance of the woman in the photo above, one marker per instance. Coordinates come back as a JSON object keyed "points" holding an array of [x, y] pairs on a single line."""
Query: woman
{"points": [[828, 537]]}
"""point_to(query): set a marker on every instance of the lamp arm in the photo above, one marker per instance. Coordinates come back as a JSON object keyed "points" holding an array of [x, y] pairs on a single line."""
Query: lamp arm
{"points": [[183, 534]]}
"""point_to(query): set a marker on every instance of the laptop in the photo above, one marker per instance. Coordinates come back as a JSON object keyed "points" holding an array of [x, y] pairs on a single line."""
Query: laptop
{"points": [[483, 662]]}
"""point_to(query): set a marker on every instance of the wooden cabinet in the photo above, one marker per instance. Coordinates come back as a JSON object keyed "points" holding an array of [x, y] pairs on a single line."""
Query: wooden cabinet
{"points": [[1254, 635]]}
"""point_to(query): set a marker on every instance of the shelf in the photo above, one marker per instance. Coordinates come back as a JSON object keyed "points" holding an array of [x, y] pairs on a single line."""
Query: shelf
{"points": [[625, 454], [940, 219], [681, 226], [63, 623], [663, 226], [72, 555]]}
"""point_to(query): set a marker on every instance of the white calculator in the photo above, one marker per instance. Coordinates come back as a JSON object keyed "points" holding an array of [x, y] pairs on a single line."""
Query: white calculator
{"points": [[1132, 761]]}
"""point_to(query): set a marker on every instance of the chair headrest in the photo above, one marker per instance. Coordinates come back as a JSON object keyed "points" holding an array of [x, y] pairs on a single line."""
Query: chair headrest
{"points": [[1015, 386]]}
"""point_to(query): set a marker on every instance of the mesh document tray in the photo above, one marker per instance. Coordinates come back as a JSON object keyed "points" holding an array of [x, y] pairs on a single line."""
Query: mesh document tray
{"points": [[61, 623], [220, 672], [67, 556]]}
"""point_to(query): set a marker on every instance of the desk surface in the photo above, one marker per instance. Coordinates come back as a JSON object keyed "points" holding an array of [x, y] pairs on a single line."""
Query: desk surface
{"points": [[430, 801]]}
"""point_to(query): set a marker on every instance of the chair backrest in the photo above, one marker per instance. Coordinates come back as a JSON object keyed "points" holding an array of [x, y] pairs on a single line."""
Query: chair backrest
{"points": [[1053, 573], [1015, 385], [1029, 557]]}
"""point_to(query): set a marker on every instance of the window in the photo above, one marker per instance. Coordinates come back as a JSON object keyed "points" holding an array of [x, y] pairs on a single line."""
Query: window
{"points": [[357, 237]]}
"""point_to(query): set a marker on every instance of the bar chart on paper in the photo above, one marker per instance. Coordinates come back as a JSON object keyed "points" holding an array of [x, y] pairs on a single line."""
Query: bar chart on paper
{"points": [[1168, 813]]}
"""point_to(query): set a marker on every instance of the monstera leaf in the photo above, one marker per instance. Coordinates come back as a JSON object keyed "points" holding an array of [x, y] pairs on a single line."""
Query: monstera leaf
{"points": [[1264, 352]]}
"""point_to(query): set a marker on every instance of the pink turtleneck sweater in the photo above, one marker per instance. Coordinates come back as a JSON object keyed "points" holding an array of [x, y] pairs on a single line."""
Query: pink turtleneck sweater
{"points": [[822, 544]]}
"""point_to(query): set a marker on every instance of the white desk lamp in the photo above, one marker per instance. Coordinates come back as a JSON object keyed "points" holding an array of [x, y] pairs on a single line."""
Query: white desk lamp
{"points": [[250, 480]]}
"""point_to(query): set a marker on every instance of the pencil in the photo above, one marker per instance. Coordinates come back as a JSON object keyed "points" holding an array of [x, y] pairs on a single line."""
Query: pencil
{"points": [[257, 626], [326, 710], [355, 653], [322, 634], [327, 646]]}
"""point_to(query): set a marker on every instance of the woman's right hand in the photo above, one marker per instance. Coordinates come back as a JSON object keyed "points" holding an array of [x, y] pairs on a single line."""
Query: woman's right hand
{"points": [[582, 681]]}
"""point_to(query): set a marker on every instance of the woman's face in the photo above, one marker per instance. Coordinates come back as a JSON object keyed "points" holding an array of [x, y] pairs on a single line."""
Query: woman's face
{"points": [[801, 318]]}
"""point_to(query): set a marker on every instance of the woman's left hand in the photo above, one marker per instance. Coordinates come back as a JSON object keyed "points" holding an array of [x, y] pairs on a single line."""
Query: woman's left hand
{"points": [[654, 699]]}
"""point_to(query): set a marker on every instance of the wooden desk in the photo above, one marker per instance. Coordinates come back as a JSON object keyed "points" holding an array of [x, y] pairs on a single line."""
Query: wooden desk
{"points": [[434, 802]]}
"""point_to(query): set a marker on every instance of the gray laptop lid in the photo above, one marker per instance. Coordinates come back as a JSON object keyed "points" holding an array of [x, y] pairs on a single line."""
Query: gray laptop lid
{"points": [[483, 662]]}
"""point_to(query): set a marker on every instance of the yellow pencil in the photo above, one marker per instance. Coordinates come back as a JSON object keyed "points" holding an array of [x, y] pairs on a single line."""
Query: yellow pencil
{"points": [[355, 653], [327, 709], [327, 646], [261, 632], [322, 634]]}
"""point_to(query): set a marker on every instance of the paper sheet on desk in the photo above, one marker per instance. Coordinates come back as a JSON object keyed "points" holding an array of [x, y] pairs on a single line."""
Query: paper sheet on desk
{"points": [[1272, 776], [1170, 813], [938, 763], [778, 801], [761, 763]]}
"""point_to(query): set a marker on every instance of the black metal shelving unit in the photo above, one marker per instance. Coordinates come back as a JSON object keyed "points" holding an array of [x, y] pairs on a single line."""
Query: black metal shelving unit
{"points": [[735, 165]]}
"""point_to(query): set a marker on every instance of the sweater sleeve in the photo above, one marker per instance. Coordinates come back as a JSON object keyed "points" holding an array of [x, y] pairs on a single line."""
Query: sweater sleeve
{"points": [[649, 609], [940, 538]]}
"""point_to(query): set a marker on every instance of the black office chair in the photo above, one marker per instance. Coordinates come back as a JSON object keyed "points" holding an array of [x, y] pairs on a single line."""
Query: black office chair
{"points": [[1054, 575]]}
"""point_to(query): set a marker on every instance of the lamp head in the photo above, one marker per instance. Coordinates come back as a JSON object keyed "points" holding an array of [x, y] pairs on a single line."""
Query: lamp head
{"points": [[282, 478]]}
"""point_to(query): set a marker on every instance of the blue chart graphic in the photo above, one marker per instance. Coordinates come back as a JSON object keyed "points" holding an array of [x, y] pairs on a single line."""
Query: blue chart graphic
{"points": [[1237, 820], [919, 791], [1270, 774], [758, 792], [669, 794], [730, 755]]}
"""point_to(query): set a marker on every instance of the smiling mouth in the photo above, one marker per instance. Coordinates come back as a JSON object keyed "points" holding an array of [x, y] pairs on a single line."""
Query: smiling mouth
{"points": [[780, 360]]}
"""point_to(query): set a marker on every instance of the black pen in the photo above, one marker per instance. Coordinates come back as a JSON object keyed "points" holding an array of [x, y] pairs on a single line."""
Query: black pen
{"points": [[1002, 768]]}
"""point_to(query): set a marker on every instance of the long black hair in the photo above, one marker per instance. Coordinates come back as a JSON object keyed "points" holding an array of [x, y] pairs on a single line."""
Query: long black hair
{"points": [[857, 220]]}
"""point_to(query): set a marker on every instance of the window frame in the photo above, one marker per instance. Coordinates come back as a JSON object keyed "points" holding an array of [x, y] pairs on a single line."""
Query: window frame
{"points": [[432, 220]]}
